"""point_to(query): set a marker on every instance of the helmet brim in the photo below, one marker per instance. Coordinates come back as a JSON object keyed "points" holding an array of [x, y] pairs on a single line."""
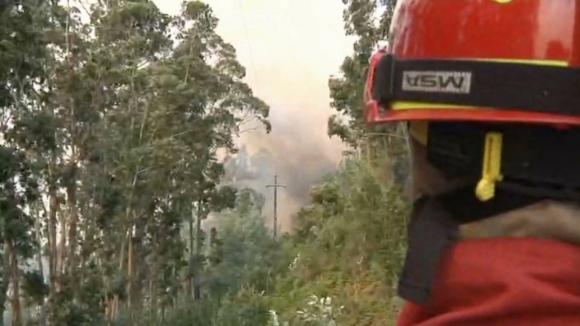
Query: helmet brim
{"points": [[474, 115]]}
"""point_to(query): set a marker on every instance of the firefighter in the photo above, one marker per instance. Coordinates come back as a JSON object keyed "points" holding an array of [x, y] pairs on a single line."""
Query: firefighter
{"points": [[490, 92]]}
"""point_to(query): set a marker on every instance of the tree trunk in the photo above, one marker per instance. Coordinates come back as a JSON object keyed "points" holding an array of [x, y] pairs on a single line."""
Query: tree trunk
{"points": [[124, 245], [42, 306], [152, 296], [61, 250], [52, 215], [153, 276], [73, 215], [198, 244], [130, 272], [191, 254], [6, 273], [15, 275]]}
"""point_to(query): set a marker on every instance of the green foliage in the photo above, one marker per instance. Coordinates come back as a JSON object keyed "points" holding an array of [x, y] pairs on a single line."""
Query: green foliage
{"points": [[347, 89], [116, 122], [349, 242], [246, 308], [349, 246], [35, 288], [250, 255]]}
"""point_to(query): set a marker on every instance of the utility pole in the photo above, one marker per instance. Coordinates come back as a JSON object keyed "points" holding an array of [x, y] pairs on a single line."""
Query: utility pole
{"points": [[276, 186]]}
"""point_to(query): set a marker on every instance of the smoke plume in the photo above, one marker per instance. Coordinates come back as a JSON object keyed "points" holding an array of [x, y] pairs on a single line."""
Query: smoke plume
{"points": [[290, 49]]}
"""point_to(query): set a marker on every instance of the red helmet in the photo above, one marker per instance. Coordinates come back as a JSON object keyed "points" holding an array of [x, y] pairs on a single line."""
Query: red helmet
{"points": [[479, 60]]}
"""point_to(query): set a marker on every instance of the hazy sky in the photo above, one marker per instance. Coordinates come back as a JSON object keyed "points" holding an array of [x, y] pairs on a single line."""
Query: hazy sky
{"points": [[290, 48]]}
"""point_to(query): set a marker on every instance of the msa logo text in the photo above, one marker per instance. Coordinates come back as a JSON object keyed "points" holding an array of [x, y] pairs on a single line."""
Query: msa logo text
{"points": [[437, 81]]}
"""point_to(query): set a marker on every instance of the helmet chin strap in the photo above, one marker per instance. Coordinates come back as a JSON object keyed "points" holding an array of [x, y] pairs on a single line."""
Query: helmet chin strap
{"points": [[491, 163], [531, 156], [515, 162], [434, 226]]}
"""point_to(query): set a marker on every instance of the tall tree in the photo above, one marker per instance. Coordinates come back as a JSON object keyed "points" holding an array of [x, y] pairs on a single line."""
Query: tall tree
{"points": [[368, 21], [23, 48], [120, 118]]}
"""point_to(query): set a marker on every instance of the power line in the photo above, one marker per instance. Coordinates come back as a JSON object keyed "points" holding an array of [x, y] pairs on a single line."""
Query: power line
{"points": [[254, 75], [276, 185]]}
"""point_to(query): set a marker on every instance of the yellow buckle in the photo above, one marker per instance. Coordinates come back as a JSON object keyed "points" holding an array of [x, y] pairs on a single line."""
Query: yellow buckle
{"points": [[491, 170]]}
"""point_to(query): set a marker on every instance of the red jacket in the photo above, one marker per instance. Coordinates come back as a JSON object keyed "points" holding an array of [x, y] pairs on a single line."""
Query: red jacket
{"points": [[503, 281]]}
